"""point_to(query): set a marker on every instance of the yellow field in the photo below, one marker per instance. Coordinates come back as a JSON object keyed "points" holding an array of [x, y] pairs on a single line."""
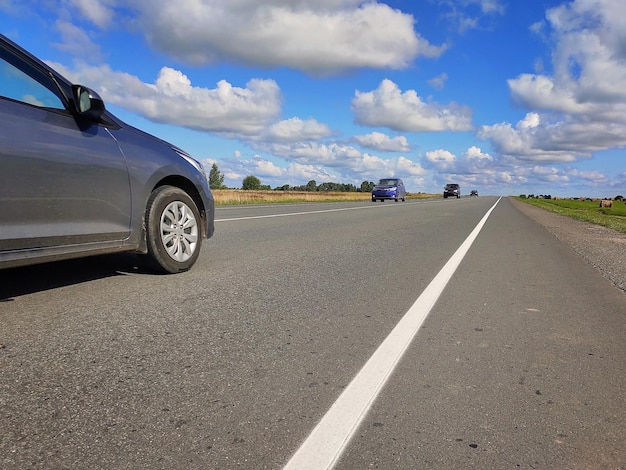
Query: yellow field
{"points": [[224, 197]]}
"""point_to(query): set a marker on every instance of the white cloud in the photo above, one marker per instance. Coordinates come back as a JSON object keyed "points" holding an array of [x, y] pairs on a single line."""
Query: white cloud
{"points": [[347, 161], [404, 166], [542, 93], [442, 160], [388, 106], [491, 6], [548, 174], [464, 15], [99, 12], [317, 37], [172, 99], [297, 173], [596, 177], [296, 130], [382, 142], [439, 81], [476, 154], [314, 153], [581, 108], [77, 42]]}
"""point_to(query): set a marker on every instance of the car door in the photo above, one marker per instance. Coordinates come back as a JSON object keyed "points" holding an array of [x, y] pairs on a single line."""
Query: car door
{"points": [[62, 182]]}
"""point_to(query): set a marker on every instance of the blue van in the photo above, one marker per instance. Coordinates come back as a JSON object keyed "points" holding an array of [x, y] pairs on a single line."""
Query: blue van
{"points": [[389, 188]]}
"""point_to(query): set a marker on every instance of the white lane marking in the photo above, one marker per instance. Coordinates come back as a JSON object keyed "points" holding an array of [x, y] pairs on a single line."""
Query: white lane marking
{"points": [[309, 212], [324, 446]]}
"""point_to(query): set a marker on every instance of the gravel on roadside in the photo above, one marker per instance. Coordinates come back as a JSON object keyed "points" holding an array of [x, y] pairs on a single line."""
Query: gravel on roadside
{"points": [[601, 247]]}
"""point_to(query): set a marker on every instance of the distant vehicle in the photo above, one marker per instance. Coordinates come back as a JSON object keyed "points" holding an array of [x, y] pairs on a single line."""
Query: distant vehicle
{"points": [[473, 192], [76, 181], [451, 190], [389, 188]]}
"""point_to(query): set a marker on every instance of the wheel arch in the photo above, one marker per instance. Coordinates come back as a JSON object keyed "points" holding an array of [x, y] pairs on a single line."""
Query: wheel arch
{"points": [[185, 185]]}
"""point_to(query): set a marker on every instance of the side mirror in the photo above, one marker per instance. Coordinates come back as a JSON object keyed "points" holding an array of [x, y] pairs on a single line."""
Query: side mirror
{"points": [[88, 103]]}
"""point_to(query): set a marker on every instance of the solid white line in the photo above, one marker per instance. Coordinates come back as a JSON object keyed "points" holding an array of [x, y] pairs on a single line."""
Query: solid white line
{"points": [[327, 441]]}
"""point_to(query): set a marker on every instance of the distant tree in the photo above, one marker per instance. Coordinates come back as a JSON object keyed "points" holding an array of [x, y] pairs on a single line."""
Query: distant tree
{"points": [[367, 186], [284, 187], [311, 186], [251, 183], [216, 178], [619, 197]]}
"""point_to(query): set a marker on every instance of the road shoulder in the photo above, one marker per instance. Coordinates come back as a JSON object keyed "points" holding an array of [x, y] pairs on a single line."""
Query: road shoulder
{"points": [[603, 248]]}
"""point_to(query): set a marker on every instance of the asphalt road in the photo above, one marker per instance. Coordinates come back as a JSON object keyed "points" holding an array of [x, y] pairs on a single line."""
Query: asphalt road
{"points": [[520, 362]]}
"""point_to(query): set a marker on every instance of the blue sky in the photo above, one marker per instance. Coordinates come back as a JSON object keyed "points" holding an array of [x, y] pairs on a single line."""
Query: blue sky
{"points": [[503, 96]]}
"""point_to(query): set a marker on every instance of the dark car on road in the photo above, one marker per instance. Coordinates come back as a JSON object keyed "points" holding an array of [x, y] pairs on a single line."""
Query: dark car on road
{"points": [[75, 180], [452, 190], [389, 188], [473, 193]]}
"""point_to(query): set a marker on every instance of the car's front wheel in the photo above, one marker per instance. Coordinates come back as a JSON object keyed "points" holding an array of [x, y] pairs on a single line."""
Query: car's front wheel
{"points": [[173, 229]]}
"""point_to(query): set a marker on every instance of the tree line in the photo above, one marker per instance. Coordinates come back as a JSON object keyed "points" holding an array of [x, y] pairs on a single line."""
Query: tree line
{"points": [[216, 181]]}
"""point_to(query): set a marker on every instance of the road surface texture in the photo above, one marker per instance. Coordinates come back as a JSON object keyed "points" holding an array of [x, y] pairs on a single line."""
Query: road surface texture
{"points": [[602, 247], [518, 362]]}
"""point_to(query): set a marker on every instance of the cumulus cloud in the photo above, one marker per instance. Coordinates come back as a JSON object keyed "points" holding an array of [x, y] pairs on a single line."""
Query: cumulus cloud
{"points": [[581, 108], [330, 155], [237, 168], [345, 159], [388, 106], [477, 160], [173, 99], [440, 159], [382, 142], [305, 162], [404, 166], [316, 37], [296, 130]]}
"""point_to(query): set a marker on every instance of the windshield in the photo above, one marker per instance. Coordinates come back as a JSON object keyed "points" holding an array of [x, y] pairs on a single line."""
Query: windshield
{"points": [[388, 182]]}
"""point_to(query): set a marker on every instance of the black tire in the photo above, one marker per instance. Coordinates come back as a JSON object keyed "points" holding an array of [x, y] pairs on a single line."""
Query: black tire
{"points": [[173, 230]]}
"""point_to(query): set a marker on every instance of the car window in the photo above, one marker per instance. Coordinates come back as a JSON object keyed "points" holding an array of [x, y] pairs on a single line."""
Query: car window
{"points": [[388, 182], [19, 86]]}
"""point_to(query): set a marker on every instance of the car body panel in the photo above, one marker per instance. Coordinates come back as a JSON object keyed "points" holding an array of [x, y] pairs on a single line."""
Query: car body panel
{"points": [[59, 184]]}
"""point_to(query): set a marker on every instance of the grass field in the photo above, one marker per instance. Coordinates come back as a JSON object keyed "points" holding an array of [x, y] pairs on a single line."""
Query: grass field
{"points": [[225, 197], [589, 211]]}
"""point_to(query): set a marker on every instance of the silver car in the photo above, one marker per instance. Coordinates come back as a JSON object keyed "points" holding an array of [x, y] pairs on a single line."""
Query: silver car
{"points": [[75, 180]]}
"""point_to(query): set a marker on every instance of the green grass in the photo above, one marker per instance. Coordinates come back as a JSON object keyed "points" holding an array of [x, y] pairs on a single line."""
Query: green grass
{"points": [[589, 211]]}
